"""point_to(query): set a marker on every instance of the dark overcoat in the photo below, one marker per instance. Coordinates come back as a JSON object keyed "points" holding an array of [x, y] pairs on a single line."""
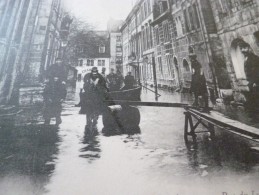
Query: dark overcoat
{"points": [[53, 93], [95, 92], [252, 70]]}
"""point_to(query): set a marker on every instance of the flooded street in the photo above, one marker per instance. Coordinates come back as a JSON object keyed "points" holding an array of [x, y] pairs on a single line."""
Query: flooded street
{"points": [[40, 160]]}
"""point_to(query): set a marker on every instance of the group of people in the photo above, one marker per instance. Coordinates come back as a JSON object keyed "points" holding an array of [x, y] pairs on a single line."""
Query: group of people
{"points": [[251, 69], [96, 87], [116, 82]]}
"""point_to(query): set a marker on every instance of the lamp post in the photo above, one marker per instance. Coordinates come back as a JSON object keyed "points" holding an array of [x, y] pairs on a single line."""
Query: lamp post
{"points": [[154, 75]]}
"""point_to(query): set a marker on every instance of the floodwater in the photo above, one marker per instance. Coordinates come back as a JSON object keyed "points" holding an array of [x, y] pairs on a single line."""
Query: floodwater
{"points": [[39, 160]]}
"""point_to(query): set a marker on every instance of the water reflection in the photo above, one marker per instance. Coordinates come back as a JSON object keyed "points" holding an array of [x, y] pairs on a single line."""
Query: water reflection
{"points": [[27, 154], [222, 154], [91, 149], [121, 131]]}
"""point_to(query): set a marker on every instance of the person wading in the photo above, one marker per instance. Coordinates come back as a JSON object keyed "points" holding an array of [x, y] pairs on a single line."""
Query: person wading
{"points": [[95, 91], [57, 70], [54, 94]]}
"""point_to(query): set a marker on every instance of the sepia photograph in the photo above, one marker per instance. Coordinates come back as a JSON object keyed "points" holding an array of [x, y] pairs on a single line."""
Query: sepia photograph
{"points": [[129, 97]]}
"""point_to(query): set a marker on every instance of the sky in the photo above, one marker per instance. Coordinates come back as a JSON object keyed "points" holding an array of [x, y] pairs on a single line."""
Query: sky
{"points": [[98, 12]]}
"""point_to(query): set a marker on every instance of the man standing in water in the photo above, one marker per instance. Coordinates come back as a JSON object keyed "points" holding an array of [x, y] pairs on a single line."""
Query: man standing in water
{"points": [[92, 103], [54, 94], [57, 70], [198, 83]]}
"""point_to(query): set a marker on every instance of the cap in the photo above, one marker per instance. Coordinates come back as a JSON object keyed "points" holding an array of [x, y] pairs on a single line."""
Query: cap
{"points": [[243, 44], [94, 70]]}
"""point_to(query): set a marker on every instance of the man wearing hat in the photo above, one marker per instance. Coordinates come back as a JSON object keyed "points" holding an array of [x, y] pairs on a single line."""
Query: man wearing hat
{"points": [[198, 83], [56, 70], [113, 81], [251, 66], [103, 72], [95, 90]]}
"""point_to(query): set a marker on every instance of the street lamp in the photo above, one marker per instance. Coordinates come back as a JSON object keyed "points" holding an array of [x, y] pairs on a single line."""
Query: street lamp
{"points": [[154, 75]]}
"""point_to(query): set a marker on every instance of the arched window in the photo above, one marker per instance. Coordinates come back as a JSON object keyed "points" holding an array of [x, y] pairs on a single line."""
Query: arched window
{"points": [[179, 26], [186, 66], [237, 59]]}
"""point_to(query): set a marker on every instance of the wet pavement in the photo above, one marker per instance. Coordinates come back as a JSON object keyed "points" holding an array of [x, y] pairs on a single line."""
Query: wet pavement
{"points": [[39, 160]]}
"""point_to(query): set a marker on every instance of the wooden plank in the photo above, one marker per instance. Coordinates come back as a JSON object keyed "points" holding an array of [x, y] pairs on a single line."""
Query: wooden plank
{"points": [[228, 124], [139, 103]]}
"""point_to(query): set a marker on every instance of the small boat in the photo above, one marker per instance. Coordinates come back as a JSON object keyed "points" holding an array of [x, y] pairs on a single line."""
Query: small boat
{"points": [[126, 95]]}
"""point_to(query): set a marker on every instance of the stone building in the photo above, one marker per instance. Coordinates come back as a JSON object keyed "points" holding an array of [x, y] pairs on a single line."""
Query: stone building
{"points": [[115, 38], [236, 20], [29, 43], [95, 55], [167, 68], [137, 37], [181, 27]]}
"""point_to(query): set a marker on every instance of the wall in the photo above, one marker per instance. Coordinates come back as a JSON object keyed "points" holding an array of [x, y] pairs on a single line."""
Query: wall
{"points": [[239, 22]]}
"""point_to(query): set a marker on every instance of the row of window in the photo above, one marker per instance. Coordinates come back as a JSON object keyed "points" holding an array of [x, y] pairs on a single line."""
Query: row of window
{"points": [[228, 6], [143, 12], [141, 42], [101, 49], [90, 62], [168, 69], [179, 26]]}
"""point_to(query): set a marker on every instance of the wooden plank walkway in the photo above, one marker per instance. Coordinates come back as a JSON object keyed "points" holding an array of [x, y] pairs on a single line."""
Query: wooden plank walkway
{"points": [[219, 120], [209, 120], [155, 104]]}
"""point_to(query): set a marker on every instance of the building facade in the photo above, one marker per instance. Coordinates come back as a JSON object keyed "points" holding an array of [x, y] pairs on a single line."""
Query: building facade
{"points": [[180, 28], [137, 41], [29, 42], [236, 20], [115, 37], [168, 31], [95, 55]]}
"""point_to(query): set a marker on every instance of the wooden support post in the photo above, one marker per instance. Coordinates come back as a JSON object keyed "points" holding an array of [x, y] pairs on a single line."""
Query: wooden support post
{"points": [[188, 121], [192, 132], [211, 130], [186, 126]]}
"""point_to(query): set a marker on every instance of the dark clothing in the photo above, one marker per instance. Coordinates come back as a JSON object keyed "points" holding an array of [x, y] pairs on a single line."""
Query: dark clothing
{"points": [[129, 82], [53, 93], [114, 82], [95, 92], [56, 71], [198, 84], [251, 67]]}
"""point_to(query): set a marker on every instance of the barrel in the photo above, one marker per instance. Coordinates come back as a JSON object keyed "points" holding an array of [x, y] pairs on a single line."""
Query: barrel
{"points": [[125, 119]]}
